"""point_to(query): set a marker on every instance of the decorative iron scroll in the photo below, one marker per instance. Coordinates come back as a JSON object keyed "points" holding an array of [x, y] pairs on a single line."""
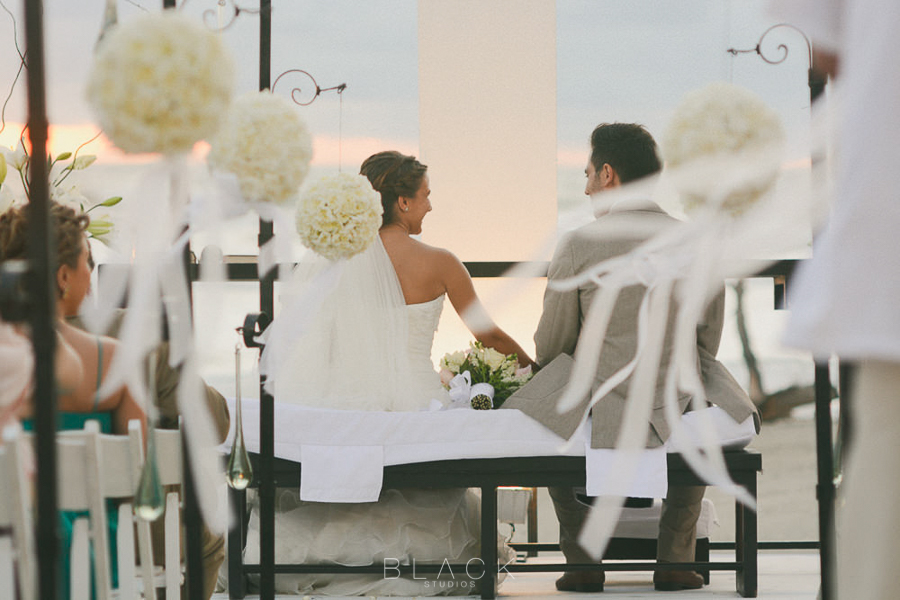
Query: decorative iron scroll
{"points": [[782, 48], [297, 92], [228, 9]]}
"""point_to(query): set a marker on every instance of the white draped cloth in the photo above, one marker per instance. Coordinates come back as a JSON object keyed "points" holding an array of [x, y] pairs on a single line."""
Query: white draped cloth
{"points": [[845, 300]]}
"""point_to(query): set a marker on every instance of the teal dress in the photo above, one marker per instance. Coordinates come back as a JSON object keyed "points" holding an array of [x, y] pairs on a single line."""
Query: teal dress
{"points": [[71, 422]]}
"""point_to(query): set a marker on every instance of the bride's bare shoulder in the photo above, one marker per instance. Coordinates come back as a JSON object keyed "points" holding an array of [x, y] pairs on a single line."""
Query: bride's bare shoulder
{"points": [[440, 257]]}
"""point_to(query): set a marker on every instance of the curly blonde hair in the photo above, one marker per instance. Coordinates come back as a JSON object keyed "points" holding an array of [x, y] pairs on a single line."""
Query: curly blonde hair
{"points": [[68, 225]]}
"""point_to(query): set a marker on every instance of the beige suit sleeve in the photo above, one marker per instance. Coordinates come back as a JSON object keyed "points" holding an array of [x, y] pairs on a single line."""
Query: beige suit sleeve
{"points": [[709, 331], [167, 396], [560, 324]]}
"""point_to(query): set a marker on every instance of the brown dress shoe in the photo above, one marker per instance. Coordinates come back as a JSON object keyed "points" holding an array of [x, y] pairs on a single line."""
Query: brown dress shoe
{"points": [[581, 581], [672, 581]]}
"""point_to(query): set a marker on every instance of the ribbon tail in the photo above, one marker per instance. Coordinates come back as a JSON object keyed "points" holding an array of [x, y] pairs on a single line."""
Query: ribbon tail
{"points": [[599, 525], [199, 430]]}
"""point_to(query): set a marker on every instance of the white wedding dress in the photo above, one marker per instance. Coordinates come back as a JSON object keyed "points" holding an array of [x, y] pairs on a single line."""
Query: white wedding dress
{"points": [[425, 525]]}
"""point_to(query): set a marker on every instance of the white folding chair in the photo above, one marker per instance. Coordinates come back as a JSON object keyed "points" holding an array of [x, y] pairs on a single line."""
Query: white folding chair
{"points": [[168, 453], [16, 541], [79, 484], [93, 467], [119, 462]]}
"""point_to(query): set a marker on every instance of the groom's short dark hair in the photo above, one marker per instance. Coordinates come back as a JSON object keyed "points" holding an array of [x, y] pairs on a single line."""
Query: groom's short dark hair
{"points": [[626, 147]]}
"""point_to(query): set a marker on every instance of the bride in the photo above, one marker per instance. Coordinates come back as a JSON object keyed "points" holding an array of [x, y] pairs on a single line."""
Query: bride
{"points": [[377, 325]]}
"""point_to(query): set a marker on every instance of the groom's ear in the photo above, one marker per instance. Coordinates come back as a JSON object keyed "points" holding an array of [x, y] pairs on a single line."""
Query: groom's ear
{"points": [[611, 176]]}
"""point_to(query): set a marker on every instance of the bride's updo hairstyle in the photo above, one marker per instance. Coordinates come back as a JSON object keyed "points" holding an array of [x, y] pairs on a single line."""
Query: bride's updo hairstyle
{"points": [[68, 224], [393, 175]]}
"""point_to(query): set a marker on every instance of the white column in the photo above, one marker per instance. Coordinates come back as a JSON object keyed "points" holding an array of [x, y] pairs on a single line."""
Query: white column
{"points": [[487, 114]]}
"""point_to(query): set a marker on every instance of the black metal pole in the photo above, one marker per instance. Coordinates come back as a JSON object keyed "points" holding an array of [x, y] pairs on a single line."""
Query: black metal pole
{"points": [[825, 486], [825, 489], [42, 252], [193, 518], [267, 403]]}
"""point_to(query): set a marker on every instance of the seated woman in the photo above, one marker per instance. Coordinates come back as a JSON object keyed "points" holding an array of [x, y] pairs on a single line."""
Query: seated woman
{"points": [[167, 380], [73, 278], [82, 402], [369, 348]]}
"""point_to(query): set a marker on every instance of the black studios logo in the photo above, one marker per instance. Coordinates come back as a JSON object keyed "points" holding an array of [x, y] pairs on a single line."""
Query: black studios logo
{"points": [[446, 578]]}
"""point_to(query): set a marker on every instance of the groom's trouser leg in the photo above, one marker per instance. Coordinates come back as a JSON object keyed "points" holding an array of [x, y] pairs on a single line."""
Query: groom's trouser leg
{"points": [[571, 515], [678, 523]]}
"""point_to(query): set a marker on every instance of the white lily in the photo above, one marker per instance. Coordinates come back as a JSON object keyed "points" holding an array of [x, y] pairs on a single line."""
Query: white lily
{"points": [[17, 159], [7, 199], [84, 161]]}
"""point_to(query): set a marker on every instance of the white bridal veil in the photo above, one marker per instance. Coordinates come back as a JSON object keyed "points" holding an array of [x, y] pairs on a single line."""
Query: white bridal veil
{"points": [[341, 338]]}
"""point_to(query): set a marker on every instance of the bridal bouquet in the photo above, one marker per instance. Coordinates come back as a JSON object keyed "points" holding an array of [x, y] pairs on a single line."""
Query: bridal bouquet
{"points": [[482, 376]]}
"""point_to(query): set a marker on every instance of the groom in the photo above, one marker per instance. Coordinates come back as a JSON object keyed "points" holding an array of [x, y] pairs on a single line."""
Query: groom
{"points": [[621, 153]]}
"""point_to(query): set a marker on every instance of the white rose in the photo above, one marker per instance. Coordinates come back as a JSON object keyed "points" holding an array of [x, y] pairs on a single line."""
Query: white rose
{"points": [[454, 360], [493, 358]]}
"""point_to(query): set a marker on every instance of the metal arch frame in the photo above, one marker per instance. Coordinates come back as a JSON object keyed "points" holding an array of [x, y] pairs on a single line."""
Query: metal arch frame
{"points": [[825, 487], [42, 253]]}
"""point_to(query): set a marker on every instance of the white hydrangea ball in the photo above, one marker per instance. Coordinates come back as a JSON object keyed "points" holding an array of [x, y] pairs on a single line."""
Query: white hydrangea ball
{"points": [[160, 83], [723, 136], [266, 144], [339, 216]]}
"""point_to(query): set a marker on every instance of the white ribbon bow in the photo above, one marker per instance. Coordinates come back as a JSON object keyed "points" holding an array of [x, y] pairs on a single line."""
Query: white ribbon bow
{"points": [[462, 390]]}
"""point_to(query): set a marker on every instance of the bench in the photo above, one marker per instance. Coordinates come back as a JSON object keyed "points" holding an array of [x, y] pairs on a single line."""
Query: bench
{"points": [[490, 473]]}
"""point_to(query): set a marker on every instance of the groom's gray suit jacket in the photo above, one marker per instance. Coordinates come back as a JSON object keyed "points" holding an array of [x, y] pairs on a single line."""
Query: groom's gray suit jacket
{"points": [[627, 225]]}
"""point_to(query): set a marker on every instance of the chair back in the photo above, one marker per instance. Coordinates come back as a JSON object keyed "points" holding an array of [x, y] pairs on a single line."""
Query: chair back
{"points": [[120, 462], [79, 482], [16, 529], [169, 461]]}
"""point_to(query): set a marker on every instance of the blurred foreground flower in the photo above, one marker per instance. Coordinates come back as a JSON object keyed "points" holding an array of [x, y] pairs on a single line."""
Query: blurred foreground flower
{"points": [[265, 143], [160, 83], [722, 146]]}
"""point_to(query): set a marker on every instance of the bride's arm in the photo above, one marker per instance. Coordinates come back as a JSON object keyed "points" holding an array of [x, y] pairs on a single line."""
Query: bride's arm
{"points": [[461, 291]]}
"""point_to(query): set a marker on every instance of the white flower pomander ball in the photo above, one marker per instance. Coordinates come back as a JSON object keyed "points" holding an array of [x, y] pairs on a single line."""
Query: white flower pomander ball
{"points": [[160, 83], [723, 145], [266, 144], [339, 216]]}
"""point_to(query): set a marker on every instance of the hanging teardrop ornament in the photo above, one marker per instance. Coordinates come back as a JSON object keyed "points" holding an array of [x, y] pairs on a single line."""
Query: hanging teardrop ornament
{"points": [[239, 472], [150, 501]]}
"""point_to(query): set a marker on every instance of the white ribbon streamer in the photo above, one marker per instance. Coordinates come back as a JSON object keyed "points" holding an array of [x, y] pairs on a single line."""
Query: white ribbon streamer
{"points": [[461, 388]]}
